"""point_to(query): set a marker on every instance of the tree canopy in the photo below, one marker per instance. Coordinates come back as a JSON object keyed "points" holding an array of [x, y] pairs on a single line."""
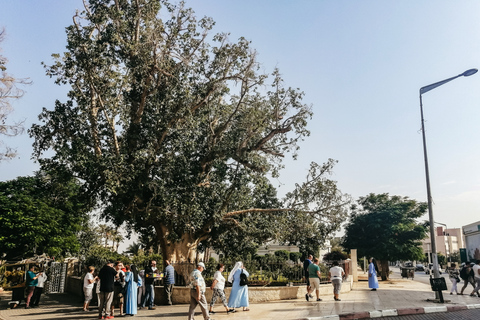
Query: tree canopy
{"points": [[39, 216], [8, 92], [175, 131], [385, 227]]}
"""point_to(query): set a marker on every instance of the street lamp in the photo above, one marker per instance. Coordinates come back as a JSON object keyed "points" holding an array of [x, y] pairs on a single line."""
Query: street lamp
{"points": [[429, 195]]}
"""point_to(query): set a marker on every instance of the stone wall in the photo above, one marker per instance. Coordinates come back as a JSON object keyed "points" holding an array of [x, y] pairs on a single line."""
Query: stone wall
{"points": [[181, 295]]}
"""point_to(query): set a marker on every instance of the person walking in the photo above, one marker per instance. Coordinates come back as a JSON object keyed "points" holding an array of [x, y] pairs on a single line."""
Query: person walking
{"points": [[42, 277], [105, 297], [150, 273], [118, 286], [218, 287], [197, 293], [467, 276], [314, 275], [168, 281], [336, 274], [476, 273], [453, 274], [306, 263], [88, 284], [132, 282], [372, 274], [31, 283], [239, 294]]}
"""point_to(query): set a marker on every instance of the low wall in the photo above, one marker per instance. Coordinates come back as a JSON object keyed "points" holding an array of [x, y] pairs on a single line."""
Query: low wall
{"points": [[181, 295]]}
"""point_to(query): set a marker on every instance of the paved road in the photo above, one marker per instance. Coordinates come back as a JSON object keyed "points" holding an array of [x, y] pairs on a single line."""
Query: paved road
{"points": [[473, 314]]}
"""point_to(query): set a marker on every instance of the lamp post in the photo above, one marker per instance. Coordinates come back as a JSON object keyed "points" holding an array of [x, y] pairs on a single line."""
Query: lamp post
{"points": [[427, 176]]}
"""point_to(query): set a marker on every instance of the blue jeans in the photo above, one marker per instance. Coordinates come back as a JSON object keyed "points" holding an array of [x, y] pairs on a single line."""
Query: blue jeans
{"points": [[149, 295]]}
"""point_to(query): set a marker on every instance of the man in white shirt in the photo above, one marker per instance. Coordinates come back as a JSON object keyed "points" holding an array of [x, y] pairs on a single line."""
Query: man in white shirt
{"points": [[42, 277], [336, 274], [476, 272], [197, 293]]}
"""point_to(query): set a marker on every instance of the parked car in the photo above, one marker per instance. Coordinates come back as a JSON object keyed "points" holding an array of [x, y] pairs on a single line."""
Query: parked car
{"points": [[419, 267], [430, 269]]}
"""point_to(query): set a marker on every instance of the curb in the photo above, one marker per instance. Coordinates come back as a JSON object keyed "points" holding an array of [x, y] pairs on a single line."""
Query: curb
{"points": [[394, 312]]}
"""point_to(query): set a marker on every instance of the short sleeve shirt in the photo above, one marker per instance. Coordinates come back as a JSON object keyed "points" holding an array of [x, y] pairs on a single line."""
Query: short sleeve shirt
{"points": [[475, 271], [196, 279], [312, 270], [220, 280], [336, 272], [86, 283]]}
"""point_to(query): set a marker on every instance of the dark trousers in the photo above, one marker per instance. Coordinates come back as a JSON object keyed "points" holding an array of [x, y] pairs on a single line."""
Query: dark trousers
{"points": [[149, 297], [168, 293], [36, 296]]}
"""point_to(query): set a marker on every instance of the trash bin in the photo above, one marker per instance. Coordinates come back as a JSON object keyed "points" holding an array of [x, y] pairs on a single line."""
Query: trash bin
{"points": [[408, 272]]}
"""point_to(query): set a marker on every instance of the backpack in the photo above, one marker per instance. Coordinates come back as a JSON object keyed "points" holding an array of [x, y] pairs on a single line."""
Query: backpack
{"points": [[243, 279], [463, 273]]}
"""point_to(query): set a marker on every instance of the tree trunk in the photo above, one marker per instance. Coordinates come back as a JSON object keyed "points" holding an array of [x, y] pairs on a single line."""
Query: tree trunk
{"points": [[384, 270], [182, 254]]}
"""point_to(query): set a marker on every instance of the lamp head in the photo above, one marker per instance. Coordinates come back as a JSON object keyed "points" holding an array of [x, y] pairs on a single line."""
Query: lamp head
{"points": [[469, 72]]}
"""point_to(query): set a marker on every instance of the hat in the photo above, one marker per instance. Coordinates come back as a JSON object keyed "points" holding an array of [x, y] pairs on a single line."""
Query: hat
{"points": [[201, 264]]}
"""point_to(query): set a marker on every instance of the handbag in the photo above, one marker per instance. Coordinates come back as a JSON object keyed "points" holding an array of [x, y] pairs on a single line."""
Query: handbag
{"points": [[243, 279]]}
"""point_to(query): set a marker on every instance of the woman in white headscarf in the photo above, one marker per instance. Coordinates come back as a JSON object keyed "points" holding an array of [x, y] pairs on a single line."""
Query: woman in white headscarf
{"points": [[239, 294]]}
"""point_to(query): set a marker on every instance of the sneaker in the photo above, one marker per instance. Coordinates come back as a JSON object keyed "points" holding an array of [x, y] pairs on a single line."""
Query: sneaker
{"points": [[311, 296], [231, 311], [212, 312], [109, 317], [306, 297], [100, 317], [319, 299], [151, 308]]}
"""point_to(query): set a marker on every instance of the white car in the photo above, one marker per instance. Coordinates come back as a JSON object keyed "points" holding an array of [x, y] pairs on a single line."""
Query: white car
{"points": [[429, 269]]}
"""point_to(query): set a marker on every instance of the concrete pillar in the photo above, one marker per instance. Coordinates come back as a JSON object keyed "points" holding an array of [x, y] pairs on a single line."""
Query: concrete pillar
{"points": [[354, 269]]}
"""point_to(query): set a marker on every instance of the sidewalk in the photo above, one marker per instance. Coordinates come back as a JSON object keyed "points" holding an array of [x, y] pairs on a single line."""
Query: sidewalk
{"points": [[394, 297]]}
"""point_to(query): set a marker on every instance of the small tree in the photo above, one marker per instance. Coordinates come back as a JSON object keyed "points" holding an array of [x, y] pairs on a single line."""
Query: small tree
{"points": [[385, 227], [335, 255]]}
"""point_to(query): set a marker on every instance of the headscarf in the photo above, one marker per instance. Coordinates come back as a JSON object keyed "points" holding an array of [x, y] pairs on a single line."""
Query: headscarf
{"points": [[238, 265], [135, 272]]}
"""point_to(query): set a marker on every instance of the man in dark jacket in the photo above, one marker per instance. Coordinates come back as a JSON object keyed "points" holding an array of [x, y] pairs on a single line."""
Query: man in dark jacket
{"points": [[467, 276], [150, 274], [107, 277]]}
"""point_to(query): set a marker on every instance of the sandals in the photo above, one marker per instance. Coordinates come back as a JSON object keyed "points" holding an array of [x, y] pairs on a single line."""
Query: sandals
{"points": [[246, 309]]}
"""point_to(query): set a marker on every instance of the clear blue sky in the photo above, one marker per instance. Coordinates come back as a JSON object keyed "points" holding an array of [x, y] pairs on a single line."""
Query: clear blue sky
{"points": [[361, 65]]}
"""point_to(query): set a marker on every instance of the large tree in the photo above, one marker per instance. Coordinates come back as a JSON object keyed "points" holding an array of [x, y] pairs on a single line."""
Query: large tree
{"points": [[385, 227], [175, 132], [39, 215], [9, 91]]}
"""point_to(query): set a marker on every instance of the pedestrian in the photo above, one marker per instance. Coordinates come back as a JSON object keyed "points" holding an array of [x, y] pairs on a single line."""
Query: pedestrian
{"points": [[336, 275], [118, 288], [88, 284], [141, 288], [372, 274], [150, 273], [31, 283], [476, 273], [467, 276], [105, 297], [453, 274], [197, 293], [307, 262], [239, 294], [314, 275], [218, 287], [168, 281], [42, 277], [132, 282]]}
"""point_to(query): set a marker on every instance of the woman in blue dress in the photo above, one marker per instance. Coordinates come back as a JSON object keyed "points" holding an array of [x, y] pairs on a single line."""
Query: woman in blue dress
{"points": [[239, 294], [132, 282], [372, 275]]}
